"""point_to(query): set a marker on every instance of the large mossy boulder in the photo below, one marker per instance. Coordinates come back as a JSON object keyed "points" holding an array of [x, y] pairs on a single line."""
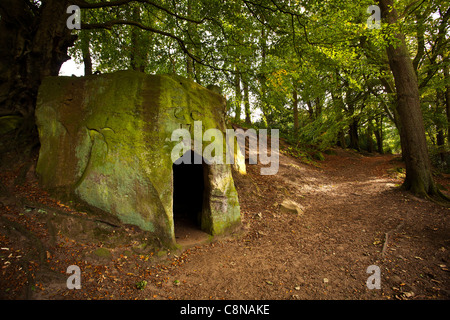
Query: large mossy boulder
{"points": [[106, 141]]}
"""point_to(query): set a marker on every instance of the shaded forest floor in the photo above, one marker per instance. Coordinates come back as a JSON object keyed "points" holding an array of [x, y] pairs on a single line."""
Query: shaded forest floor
{"points": [[354, 215]]}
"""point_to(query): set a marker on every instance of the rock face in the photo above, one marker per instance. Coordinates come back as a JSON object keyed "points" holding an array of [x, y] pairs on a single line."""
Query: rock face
{"points": [[106, 140]]}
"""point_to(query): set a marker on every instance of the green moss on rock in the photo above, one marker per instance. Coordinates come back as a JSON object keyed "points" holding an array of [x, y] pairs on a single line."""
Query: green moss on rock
{"points": [[102, 253]]}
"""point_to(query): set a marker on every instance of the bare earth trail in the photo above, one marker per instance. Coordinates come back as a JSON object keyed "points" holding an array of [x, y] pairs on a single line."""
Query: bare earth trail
{"points": [[351, 206]]}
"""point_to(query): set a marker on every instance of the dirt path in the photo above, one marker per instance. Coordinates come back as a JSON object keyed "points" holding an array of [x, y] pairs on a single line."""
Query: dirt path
{"points": [[349, 204], [324, 253]]}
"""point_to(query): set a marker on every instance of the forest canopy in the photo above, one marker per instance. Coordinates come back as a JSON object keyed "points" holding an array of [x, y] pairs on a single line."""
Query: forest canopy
{"points": [[313, 69]]}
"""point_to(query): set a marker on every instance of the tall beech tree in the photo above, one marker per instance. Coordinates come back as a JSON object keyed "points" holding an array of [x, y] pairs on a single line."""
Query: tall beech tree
{"points": [[34, 40], [419, 178]]}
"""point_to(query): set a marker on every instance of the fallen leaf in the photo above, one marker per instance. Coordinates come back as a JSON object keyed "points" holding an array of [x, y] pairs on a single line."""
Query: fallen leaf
{"points": [[443, 267]]}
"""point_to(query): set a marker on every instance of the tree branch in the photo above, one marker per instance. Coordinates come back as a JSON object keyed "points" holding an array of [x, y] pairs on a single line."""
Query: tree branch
{"points": [[436, 49], [85, 5], [110, 24]]}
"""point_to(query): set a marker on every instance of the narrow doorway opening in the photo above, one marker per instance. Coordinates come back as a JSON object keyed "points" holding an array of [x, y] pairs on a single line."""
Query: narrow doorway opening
{"points": [[188, 198]]}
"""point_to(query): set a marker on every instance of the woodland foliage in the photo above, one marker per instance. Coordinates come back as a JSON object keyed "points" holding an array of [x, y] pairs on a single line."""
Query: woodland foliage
{"points": [[315, 69]]}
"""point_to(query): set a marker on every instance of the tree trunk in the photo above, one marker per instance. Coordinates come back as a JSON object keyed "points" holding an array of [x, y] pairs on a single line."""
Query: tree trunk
{"points": [[238, 95], [338, 103], [138, 54], [295, 102], [389, 89], [447, 98], [32, 46], [379, 133], [189, 66], [369, 136], [341, 139], [420, 30], [310, 110], [262, 78], [353, 132], [246, 101], [418, 168], [189, 60], [87, 60], [354, 122], [440, 136], [440, 142]]}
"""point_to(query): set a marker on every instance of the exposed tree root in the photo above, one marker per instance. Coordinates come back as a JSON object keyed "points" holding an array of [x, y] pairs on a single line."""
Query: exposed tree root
{"points": [[439, 198], [39, 250], [35, 243], [37, 205], [387, 235], [435, 195]]}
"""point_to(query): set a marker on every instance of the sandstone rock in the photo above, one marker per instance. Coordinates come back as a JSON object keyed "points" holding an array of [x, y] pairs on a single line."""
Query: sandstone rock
{"points": [[106, 140]]}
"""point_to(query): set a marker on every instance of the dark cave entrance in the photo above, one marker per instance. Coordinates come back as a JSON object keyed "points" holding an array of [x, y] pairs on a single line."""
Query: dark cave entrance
{"points": [[188, 196]]}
